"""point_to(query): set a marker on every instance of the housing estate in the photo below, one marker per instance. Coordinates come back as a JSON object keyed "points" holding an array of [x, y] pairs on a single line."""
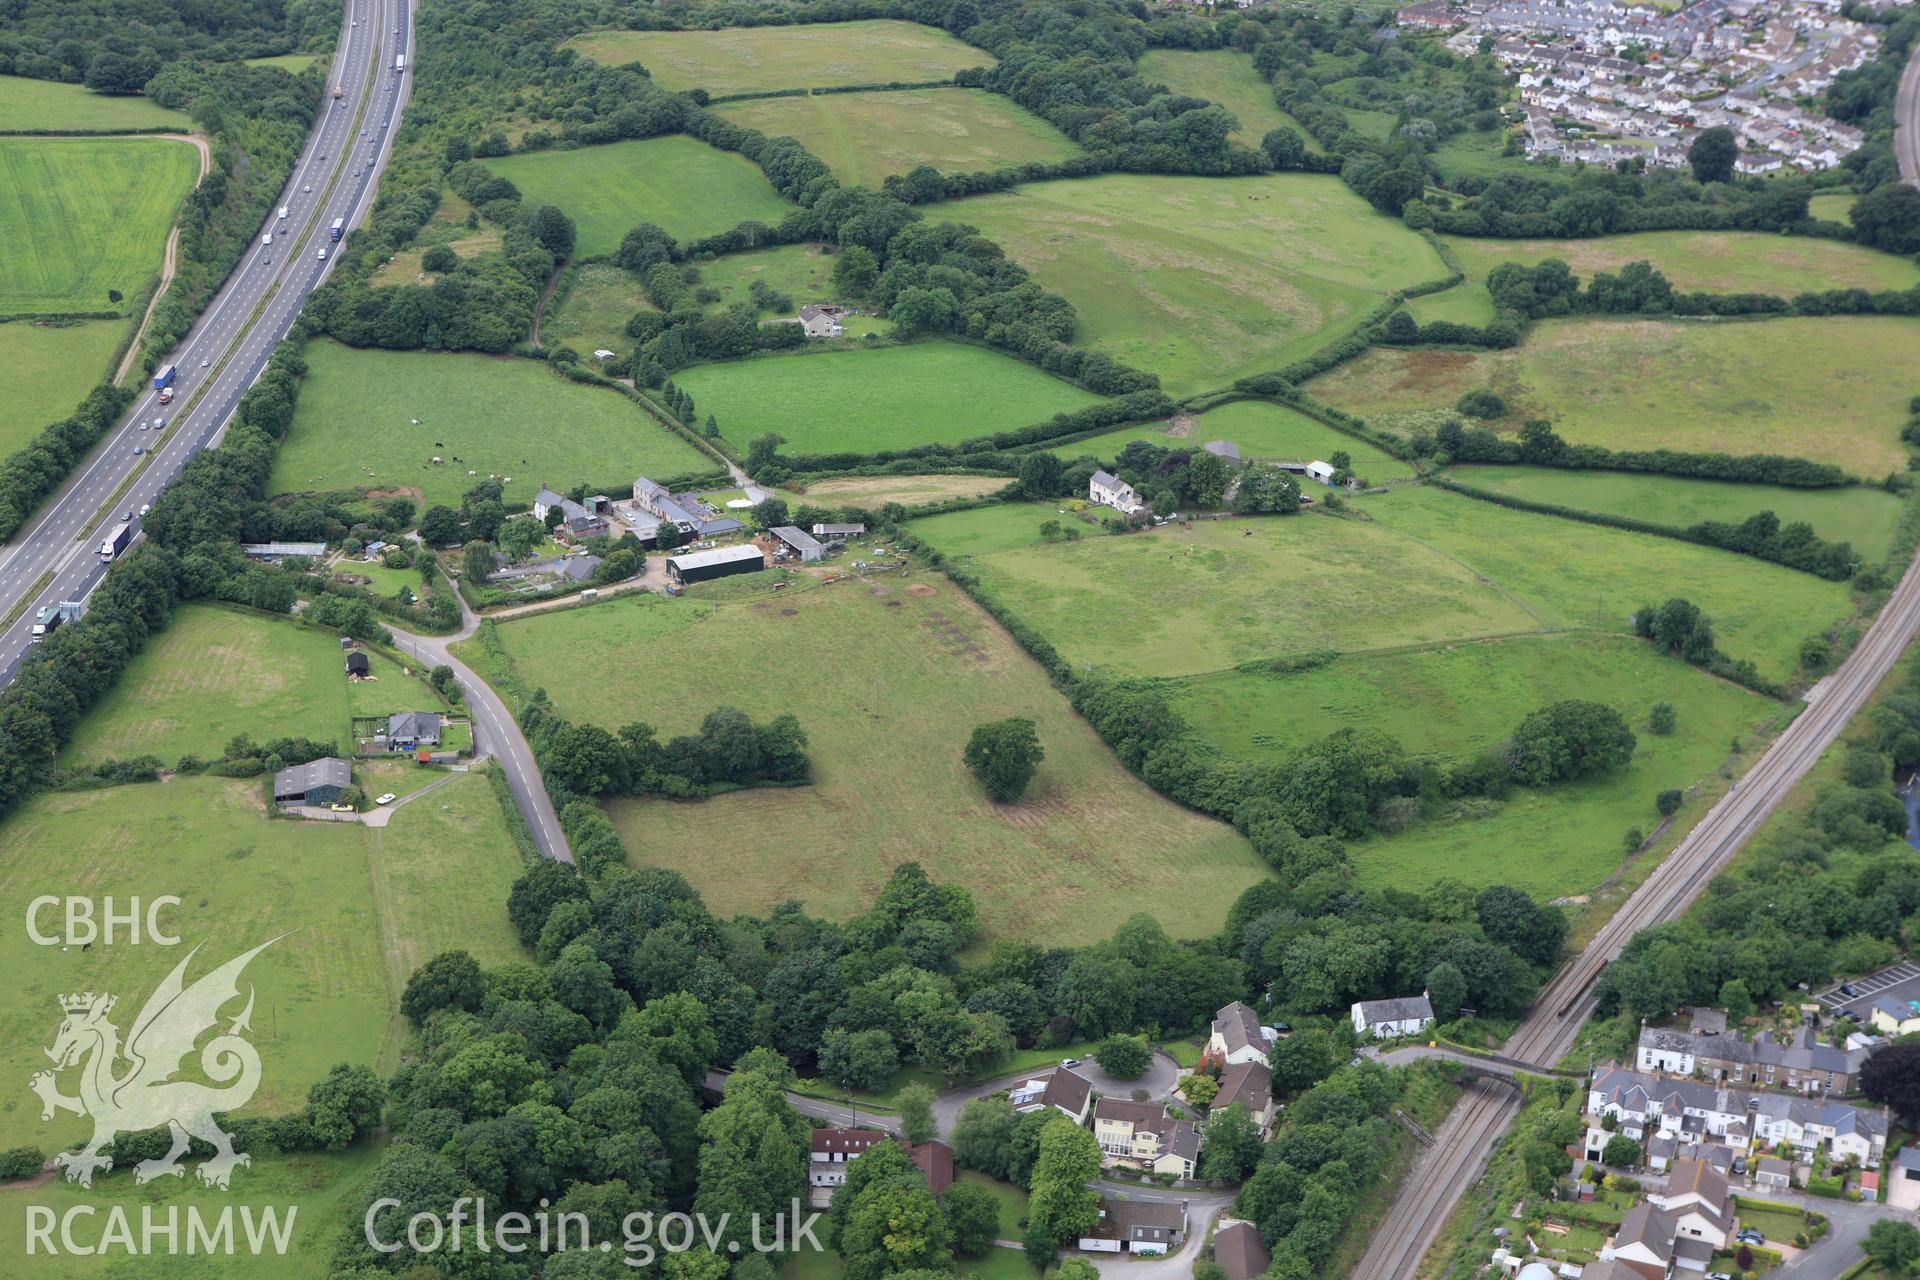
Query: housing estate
{"points": [[1679, 1116], [1798, 1064], [1390, 1019]]}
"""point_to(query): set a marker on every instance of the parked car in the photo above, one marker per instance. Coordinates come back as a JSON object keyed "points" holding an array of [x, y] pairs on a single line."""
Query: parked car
{"points": [[388, 798], [1069, 1062]]}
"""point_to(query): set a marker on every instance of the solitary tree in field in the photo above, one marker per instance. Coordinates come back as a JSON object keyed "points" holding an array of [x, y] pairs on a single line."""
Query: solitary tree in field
{"points": [[1003, 754]]}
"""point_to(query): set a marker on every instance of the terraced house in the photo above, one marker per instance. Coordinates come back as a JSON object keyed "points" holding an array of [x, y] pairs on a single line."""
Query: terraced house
{"points": [[1800, 1064]]}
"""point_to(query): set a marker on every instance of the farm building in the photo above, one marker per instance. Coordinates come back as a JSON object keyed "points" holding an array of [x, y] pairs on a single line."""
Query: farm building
{"points": [[1238, 1249], [280, 550], [800, 542], [721, 562], [580, 568], [410, 729], [1111, 491], [695, 518], [318, 782], [839, 531], [357, 666], [1321, 471]]}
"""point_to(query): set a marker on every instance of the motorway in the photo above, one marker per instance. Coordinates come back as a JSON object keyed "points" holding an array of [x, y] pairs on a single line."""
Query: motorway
{"points": [[1906, 120], [1428, 1195], [53, 557]]}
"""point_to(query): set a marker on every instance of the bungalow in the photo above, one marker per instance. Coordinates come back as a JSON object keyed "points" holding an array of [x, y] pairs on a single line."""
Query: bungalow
{"points": [[1390, 1019], [1251, 1085], [1062, 1089], [580, 568], [1237, 1037], [317, 782], [799, 542], [1136, 1226], [410, 729], [357, 667], [1239, 1251], [1111, 491]]}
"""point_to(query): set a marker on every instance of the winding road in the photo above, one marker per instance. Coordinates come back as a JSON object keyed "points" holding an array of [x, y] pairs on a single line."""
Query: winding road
{"points": [[1434, 1187]]}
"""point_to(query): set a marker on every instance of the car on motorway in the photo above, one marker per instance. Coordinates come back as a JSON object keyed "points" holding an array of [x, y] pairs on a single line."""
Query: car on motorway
{"points": [[166, 395], [385, 799], [126, 517], [307, 189], [322, 255], [145, 507], [139, 449], [206, 362]]}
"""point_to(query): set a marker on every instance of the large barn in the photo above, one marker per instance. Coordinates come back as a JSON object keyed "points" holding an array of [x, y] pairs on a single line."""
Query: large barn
{"points": [[721, 562]]}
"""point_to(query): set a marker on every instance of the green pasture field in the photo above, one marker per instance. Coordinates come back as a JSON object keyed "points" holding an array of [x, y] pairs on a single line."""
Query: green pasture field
{"points": [[867, 137], [1834, 389], [447, 226], [908, 491], [215, 672], [50, 368], [1448, 702], [290, 62], [322, 1189], [1225, 76], [80, 216], [1833, 207], [680, 184], [1223, 592], [499, 416], [1262, 430], [887, 681], [1860, 515], [1466, 303], [1593, 578], [1204, 280], [1473, 151], [801, 271], [886, 398], [813, 56], [594, 314], [48, 104], [1710, 261]]}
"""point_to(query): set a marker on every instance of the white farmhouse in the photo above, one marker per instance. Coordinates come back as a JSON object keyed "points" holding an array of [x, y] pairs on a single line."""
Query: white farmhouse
{"points": [[1390, 1019], [1111, 491]]}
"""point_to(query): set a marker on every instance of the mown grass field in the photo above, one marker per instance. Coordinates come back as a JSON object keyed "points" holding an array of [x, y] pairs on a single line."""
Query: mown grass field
{"points": [[1262, 430], [1204, 280], [80, 216], [493, 416], [1834, 389], [1222, 593], [801, 271], [1865, 517], [50, 368], [908, 491], [48, 104], [1466, 303], [1594, 578], [215, 672], [886, 398], [1833, 207], [1713, 261], [291, 62], [814, 56], [1225, 76], [866, 137], [678, 183], [888, 681], [594, 314], [324, 1189]]}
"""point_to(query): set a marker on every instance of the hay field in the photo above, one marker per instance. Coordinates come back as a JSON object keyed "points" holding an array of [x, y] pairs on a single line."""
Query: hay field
{"points": [[811, 56]]}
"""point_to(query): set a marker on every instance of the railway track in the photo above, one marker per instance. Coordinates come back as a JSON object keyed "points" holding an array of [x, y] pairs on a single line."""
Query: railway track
{"points": [[1464, 1141]]}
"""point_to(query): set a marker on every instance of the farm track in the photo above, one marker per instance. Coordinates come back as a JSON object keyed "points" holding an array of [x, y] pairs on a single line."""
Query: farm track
{"points": [[1463, 1143], [168, 263]]}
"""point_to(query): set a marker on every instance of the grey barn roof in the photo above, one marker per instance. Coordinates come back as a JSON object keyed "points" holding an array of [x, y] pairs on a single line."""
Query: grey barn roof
{"points": [[796, 537], [297, 780], [719, 555]]}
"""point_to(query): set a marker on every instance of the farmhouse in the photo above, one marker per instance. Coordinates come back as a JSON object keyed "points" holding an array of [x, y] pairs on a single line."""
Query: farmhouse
{"points": [[822, 320], [357, 667], [799, 542], [1238, 1249], [1237, 1037], [1111, 491], [577, 520], [318, 782], [1064, 1090], [721, 562], [685, 510], [1136, 1226], [1387, 1019], [411, 729]]}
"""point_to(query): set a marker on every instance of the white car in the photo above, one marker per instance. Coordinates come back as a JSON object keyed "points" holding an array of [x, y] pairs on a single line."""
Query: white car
{"points": [[385, 799], [206, 362], [323, 255], [307, 189]]}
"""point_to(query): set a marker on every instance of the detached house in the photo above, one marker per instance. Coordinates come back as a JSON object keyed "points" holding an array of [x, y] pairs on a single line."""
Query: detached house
{"points": [[1251, 1085], [1111, 491], [1063, 1090], [1677, 1232], [1238, 1038], [1142, 1134], [1390, 1019], [411, 729]]}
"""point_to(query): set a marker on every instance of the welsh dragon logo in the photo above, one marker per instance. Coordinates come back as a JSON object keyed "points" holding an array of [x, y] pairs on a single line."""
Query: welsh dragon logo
{"points": [[143, 1093]]}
